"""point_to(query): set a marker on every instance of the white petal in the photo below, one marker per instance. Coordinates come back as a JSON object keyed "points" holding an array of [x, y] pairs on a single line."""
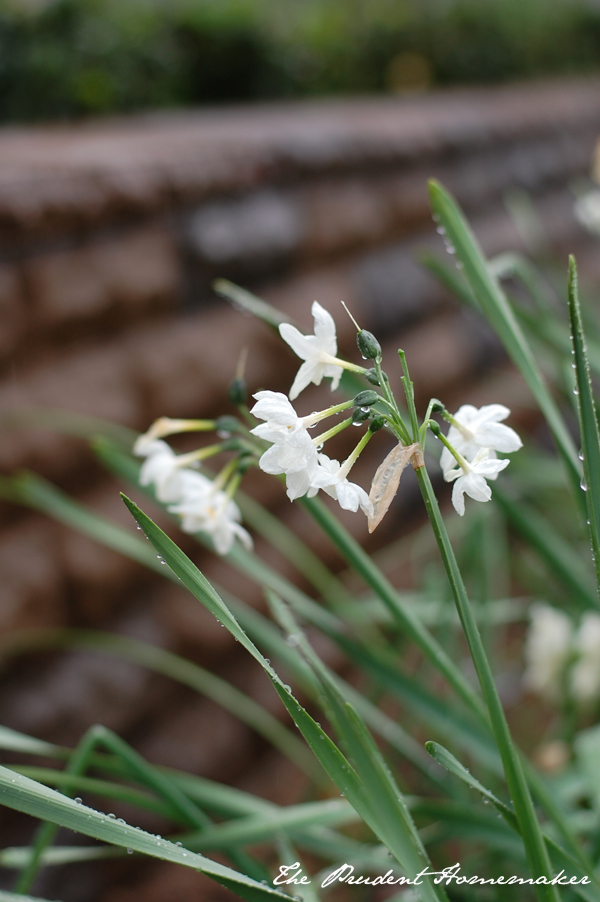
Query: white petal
{"points": [[489, 467], [274, 405], [501, 438], [458, 499], [491, 413], [310, 371], [324, 329], [477, 488], [299, 343]]}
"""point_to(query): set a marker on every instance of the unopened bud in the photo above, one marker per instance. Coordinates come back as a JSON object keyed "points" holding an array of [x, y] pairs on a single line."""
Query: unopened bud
{"points": [[368, 345], [437, 406], [366, 398], [359, 416], [376, 424], [226, 425], [435, 428], [245, 462], [373, 378], [238, 391]]}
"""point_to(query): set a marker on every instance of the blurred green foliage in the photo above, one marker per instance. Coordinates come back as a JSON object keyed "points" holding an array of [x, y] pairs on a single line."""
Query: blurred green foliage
{"points": [[66, 58]]}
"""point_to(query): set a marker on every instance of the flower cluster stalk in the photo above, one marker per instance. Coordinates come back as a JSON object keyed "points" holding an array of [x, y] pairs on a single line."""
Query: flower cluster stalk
{"points": [[535, 847]]}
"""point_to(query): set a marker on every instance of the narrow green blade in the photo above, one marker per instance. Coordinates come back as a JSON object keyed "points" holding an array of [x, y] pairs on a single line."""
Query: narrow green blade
{"points": [[46, 804], [499, 313], [588, 421]]}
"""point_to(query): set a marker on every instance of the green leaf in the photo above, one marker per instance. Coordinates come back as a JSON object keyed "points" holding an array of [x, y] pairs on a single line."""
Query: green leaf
{"points": [[590, 892], [39, 801], [588, 421], [335, 763], [554, 550], [500, 315], [249, 303]]}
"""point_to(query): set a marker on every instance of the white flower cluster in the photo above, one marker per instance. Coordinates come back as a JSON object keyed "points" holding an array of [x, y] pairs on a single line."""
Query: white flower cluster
{"points": [[293, 451], [476, 434], [201, 503], [562, 660]]}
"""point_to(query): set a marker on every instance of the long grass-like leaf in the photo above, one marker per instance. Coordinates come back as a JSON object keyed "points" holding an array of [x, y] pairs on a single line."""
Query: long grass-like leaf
{"points": [[499, 313], [331, 758], [590, 891], [39, 801], [588, 420]]}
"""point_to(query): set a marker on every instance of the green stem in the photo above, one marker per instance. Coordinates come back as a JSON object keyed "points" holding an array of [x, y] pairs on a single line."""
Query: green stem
{"points": [[535, 848], [325, 436], [360, 561], [410, 396]]}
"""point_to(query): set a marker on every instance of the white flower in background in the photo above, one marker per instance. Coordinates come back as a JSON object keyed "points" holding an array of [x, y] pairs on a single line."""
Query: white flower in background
{"points": [[584, 678], [212, 511], [293, 451], [331, 476], [471, 478], [318, 351], [587, 211], [475, 428], [548, 650], [203, 506], [163, 470]]}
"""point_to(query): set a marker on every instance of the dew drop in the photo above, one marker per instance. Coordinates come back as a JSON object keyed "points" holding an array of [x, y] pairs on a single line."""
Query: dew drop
{"points": [[441, 230], [163, 562], [581, 455], [180, 844], [575, 391], [78, 801], [573, 366], [121, 821], [138, 526], [583, 486], [130, 851], [459, 265], [111, 815]]}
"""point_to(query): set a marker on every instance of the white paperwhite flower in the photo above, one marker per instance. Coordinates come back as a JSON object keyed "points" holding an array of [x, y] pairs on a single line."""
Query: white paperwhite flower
{"points": [[331, 477], [471, 478], [548, 650], [162, 469], [293, 451], [212, 511], [318, 351], [587, 211], [584, 678], [477, 428]]}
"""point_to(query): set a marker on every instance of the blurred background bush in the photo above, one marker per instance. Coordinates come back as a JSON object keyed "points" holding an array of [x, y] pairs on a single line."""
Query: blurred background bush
{"points": [[66, 58]]}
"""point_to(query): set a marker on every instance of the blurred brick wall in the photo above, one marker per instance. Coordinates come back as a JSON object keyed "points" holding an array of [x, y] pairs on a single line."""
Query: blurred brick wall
{"points": [[111, 234]]}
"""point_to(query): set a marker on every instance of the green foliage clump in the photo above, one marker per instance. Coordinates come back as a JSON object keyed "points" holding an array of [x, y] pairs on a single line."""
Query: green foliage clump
{"points": [[66, 58]]}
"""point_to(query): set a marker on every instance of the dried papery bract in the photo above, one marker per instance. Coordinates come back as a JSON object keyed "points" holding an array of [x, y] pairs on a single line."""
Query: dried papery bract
{"points": [[386, 481]]}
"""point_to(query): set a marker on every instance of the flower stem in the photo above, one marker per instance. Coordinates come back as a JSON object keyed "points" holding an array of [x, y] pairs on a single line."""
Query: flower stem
{"points": [[353, 457], [320, 439], [401, 430], [535, 848], [410, 396], [313, 418]]}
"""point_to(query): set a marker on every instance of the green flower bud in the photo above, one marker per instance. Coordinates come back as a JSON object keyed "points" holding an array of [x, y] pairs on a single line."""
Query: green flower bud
{"points": [[226, 425], [376, 424], [435, 428], [238, 391], [359, 416], [368, 345], [366, 398], [373, 378]]}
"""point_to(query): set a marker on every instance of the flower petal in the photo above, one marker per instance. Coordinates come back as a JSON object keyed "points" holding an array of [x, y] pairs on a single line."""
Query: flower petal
{"points": [[501, 438], [324, 329], [299, 343]]}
